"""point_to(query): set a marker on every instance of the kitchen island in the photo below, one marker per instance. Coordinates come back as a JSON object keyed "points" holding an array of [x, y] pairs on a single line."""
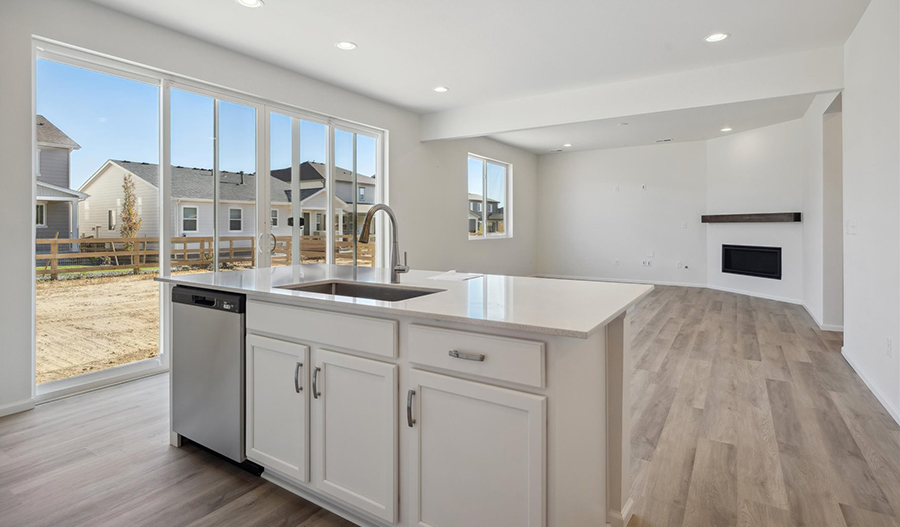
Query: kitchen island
{"points": [[492, 401]]}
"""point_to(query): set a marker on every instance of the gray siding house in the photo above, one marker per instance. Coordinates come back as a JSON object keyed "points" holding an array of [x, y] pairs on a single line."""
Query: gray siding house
{"points": [[192, 193], [56, 206]]}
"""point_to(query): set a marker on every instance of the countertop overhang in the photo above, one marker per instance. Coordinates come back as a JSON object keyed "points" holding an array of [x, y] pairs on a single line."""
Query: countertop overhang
{"points": [[568, 308]]}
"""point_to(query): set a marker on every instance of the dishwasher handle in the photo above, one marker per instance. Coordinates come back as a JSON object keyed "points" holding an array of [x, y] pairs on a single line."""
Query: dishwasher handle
{"points": [[201, 300]]}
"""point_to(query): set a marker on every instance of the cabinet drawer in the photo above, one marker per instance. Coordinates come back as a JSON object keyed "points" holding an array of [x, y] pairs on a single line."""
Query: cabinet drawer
{"points": [[370, 335], [500, 358]]}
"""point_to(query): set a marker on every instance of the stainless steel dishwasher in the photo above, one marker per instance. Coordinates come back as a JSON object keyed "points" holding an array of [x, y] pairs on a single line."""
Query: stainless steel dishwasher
{"points": [[208, 369]]}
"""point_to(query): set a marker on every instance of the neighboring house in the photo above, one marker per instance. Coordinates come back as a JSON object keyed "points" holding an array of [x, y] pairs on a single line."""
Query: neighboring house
{"points": [[192, 193], [56, 206], [476, 214]]}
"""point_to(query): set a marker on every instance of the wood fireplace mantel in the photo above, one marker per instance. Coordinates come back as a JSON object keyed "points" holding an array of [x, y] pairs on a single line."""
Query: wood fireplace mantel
{"points": [[762, 217]]}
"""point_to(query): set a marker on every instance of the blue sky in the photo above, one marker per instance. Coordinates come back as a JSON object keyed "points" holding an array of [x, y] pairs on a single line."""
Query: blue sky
{"points": [[496, 176], [115, 118]]}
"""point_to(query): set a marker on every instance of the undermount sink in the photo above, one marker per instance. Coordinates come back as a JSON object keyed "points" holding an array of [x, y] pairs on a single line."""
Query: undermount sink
{"points": [[383, 292]]}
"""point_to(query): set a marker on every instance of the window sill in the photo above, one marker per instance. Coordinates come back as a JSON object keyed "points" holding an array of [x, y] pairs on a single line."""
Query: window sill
{"points": [[497, 237]]}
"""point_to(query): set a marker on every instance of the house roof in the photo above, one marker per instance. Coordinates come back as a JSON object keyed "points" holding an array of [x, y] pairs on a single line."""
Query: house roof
{"points": [[50, 192], [312, 171], [477, 197], [197, 183], [48, 133]]}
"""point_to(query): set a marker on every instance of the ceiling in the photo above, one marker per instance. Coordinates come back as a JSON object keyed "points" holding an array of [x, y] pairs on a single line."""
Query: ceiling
{"points": [[694, 124], [491, 50]]}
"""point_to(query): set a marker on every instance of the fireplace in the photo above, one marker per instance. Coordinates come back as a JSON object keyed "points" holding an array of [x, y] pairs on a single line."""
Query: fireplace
{"points": [[763, 262]]}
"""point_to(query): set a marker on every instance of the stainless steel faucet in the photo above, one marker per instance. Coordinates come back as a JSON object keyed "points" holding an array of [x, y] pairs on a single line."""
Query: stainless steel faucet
{"points": [[396, 266]]}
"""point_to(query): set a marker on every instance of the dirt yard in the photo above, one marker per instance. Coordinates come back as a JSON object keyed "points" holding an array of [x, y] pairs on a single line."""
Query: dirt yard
{"points": [[93, 324]]}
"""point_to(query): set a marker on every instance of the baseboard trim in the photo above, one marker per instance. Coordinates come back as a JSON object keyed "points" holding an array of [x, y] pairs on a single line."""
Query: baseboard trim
{"points": [[14, 408], [623, 517], [895, 413], [757, 295], [664, 282], [823, 327], [616, 280]]}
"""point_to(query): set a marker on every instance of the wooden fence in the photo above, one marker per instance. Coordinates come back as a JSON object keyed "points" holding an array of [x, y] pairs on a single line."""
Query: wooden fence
{"points": [[67, 255]]}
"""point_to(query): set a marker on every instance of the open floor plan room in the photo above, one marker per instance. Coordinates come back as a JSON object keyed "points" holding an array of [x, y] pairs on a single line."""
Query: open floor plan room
{"points": [[480, 263]]}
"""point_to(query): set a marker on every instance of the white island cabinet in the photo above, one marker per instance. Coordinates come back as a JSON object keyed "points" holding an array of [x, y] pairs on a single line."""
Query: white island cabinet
{"points": [[497, 402]]}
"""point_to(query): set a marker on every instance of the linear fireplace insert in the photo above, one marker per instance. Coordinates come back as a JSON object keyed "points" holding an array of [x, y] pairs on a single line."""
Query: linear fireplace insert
{"points": [[764, 262]]}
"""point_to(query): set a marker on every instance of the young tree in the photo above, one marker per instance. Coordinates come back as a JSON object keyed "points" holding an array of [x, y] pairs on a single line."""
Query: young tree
{"points": [[131, 221]]}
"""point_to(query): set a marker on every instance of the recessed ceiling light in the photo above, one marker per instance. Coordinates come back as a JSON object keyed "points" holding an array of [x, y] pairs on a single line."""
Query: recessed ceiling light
{"points": [[250, 3], [567, 145], [726, 129], [442, 89], [346, 46], [717, 37]]}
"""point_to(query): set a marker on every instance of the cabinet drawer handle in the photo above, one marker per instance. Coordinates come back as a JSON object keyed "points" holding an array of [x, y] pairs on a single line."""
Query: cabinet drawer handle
{"points": [[477, 357], [297, 386], [316, 392], [409, 418]]}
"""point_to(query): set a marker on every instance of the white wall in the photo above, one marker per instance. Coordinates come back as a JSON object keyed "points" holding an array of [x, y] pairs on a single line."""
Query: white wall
{"points": [[832, 227], [415, 187], [759, 170], [815, 212], [871, 123], [438, 191], [585, 224]]}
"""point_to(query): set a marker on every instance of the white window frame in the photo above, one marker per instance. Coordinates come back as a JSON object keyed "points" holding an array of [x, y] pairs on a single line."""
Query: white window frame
{"points": [[362, 194], [275, 217], [230, 219], [166, 80], [483, 206], [111, 222], [43, 208], [196, 218]]}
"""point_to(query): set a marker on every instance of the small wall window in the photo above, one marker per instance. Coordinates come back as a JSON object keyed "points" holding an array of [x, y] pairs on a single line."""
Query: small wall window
{"points": [[111, 220], [189, 219], [274, 217], [40, 215], [490, 198], [235, 220], [362, 194]]}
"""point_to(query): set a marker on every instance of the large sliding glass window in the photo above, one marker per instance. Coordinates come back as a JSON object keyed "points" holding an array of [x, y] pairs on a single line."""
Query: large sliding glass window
{"points": [[96, 223], [213, 183], [236, 210], [356, 188]]}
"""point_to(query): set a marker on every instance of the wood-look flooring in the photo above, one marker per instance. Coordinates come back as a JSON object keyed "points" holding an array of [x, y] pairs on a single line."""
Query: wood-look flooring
{"points": [[744, 414]]}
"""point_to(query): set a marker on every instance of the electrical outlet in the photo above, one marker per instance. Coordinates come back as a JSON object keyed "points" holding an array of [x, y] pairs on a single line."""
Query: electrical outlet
{"points": [[643, 263], [889, 349], [679, 264], [649, 263], [684, 225]]}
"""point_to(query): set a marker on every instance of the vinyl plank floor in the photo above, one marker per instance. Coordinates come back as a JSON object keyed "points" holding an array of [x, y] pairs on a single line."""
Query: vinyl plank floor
{"points": [[743, 413]]}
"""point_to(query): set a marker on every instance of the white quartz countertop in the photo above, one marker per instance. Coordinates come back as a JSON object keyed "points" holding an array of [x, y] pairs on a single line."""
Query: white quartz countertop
{"points": [[570, 308]]}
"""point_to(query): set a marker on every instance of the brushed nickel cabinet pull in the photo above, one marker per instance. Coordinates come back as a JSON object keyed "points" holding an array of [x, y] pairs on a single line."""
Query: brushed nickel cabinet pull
{"points": [[477, 357], [409, 418], [297, 386], [316, 392]]}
